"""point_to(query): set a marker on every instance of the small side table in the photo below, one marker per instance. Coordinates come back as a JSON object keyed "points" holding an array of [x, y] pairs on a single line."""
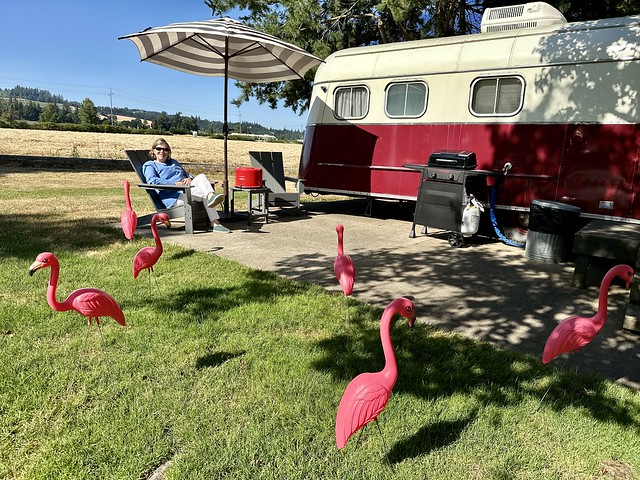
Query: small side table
{"points": [[262, 209]]}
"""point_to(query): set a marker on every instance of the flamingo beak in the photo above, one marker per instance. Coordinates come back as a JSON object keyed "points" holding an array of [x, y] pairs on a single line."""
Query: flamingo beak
{"points": [[35, 266], [412, 319], [167, 223]]}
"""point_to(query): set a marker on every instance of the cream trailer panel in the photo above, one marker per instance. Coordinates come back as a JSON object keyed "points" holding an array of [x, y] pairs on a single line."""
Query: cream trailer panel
{"points": [[559, 102]]}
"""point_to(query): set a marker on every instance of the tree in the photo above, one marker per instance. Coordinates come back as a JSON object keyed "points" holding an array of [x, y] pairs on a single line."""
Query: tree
{"points": [[49, 113], [67, 115], [31, 111], [183, 124], [88, 113], [11, 110], [162, 122], [325, 26], [133, 123]]}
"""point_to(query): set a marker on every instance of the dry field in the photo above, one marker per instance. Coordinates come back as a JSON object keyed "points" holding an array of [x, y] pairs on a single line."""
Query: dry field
{"points": [[83, 204], [68, 196], [186, 148]]}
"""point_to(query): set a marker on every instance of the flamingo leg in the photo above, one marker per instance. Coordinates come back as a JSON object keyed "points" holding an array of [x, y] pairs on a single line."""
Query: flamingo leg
{"points": [[384, 444], [152, 274], [346, 307], [104, 343], [381, 435], [360, 436], [81, 350], [104, 353], [549, 387]]}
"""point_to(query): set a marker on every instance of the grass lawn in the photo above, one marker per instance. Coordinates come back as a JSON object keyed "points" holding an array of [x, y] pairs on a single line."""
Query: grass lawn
{"points": [[227, 372]]}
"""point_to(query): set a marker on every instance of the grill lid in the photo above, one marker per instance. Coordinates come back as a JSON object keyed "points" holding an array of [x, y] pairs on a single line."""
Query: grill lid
{"points": [[459, 159]]}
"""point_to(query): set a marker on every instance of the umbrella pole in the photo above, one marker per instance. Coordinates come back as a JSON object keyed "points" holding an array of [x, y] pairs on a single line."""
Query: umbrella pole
{"points": [[225, 131]]}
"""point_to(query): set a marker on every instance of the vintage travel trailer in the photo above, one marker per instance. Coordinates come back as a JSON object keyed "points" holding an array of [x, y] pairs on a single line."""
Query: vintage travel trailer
{"points": [[557, 100]]}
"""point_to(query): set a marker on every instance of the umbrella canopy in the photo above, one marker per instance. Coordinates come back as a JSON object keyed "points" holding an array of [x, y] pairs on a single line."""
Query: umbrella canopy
{"points": [[223, 47]]}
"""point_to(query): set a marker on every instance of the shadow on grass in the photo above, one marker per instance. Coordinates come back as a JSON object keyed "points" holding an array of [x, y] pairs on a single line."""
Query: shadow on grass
{"points": [[23, 236], [428, 438], [216, 359], [202, 303], [186, 253], [434, 365]]}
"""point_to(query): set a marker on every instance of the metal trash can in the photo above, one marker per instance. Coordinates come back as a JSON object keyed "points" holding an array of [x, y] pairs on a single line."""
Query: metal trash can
{"points": [[552, 226]]}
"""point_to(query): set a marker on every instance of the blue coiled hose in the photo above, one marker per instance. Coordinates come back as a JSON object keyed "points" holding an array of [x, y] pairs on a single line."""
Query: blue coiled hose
{"points": [[492, 213]]}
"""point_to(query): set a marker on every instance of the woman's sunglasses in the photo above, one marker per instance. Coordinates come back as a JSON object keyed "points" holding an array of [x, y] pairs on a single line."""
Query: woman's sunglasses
{"points": [[160, 149]]}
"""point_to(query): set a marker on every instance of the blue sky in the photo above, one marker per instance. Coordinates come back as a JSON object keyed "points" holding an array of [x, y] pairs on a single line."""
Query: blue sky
{"points": [[71, 48]]}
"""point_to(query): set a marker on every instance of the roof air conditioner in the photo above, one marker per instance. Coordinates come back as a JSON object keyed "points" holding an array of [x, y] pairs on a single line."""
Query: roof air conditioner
{"points": [[515, 17]]}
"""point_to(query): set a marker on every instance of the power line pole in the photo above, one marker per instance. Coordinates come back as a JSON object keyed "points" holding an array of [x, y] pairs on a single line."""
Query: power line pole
{"points": [[111, 102]]}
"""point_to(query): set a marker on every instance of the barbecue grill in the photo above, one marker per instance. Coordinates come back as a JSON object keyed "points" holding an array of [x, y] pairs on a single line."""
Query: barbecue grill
{"points": [[447, 180]]}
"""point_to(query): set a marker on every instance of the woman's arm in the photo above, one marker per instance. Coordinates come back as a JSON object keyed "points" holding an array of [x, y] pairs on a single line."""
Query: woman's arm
{"points": [[170, 173]]}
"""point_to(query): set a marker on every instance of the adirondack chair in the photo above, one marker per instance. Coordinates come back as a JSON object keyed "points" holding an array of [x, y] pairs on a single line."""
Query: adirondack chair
{"points": [[195, 216], [275, 180]]}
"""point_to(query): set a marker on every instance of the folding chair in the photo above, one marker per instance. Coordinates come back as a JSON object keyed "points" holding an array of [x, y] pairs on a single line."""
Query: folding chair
{"points": [[275, 180]]}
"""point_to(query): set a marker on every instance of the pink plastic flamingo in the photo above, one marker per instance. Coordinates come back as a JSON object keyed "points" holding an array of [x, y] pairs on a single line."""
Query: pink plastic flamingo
{"points": [[128, 218], [90, 302], [575, 332], [147, 257], [366, 395], [343, 265]]}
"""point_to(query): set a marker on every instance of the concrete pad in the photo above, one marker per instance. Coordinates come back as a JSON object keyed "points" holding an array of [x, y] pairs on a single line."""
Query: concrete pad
{"points": [[485, 290]]}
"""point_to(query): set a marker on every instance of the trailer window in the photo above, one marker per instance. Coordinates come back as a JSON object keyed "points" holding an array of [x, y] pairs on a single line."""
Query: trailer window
{"points": [[406, 99], [497, 96], [351, 102]]}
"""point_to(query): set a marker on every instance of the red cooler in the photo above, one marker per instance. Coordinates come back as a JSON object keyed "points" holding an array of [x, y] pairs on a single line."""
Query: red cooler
{"points": [[248, 177]]}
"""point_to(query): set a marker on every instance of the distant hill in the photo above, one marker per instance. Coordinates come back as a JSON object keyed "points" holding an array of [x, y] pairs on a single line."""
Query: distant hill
{"points": [[34, 94], [24, 103]]}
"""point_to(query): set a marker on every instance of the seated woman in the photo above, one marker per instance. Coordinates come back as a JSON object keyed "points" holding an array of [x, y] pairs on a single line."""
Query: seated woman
{"points": [[164, 170]]}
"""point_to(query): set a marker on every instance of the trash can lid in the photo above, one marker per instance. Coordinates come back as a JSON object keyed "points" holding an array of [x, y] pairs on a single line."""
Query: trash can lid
{"points": [[556, 205]]}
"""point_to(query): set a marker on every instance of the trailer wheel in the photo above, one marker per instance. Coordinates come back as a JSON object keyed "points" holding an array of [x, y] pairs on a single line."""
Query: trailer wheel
{"points": [[516, 226]]}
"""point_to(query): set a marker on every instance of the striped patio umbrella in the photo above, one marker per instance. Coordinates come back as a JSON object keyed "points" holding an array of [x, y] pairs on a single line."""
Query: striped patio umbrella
{"points": [[223, 47]]}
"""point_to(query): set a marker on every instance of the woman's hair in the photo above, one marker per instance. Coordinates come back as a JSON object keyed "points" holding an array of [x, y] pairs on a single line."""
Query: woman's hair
{"points": [[160, 142]]}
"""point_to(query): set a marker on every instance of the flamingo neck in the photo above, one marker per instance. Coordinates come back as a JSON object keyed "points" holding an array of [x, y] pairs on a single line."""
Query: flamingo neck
{"points": [[340, 247], [156, 237], [126, 195], [390, 370], [603, 298], [51, 290]]}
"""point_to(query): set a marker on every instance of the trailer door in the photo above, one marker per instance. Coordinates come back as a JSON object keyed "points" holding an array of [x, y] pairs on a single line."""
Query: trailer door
{"points": [[598, 170]]}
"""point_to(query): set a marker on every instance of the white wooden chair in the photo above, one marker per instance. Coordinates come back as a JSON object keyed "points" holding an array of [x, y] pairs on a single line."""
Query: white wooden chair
{"points": [[195, 216]]}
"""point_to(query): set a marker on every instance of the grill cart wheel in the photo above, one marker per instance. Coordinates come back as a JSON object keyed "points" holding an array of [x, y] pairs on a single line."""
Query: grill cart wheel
{"points": [[456, 240]]}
